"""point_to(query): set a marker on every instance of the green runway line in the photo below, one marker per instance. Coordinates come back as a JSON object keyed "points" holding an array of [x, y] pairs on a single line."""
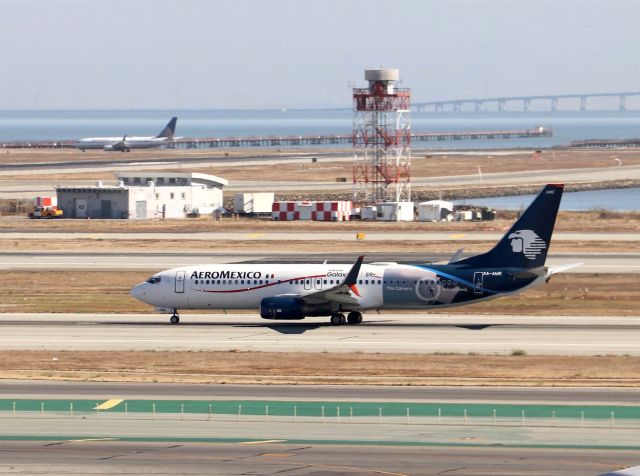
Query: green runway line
{"points": [[331, 409]]}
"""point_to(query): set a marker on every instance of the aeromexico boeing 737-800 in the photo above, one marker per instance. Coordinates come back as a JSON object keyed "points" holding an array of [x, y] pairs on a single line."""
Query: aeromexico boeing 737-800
{"points": [[126, 143], [296, 291]]}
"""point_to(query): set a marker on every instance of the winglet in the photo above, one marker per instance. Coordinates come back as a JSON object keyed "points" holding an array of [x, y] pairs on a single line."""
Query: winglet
{"points": [[352, 278], [456, 256]]}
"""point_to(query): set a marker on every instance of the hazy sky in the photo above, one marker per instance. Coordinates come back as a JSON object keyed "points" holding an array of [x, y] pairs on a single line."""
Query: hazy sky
{"points": [[135, 54]]}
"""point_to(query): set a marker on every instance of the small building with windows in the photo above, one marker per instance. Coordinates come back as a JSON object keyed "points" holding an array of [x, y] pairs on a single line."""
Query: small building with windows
{"points": [[141, 195]]}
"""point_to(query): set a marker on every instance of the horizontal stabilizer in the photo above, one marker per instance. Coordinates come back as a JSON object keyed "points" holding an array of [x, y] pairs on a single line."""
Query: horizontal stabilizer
{"points": [[551, 270]]}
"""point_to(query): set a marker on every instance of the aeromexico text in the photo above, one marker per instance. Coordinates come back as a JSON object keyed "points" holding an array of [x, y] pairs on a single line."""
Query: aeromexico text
{"points": [[226, 275]]}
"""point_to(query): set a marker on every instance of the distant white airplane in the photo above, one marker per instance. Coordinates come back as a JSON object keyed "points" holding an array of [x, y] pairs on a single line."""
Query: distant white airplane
{"points": [[125, 144]]}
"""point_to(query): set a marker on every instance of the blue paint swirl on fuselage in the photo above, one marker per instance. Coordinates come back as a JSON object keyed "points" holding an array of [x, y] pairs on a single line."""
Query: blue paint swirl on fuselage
{"points": [[447, 285]]}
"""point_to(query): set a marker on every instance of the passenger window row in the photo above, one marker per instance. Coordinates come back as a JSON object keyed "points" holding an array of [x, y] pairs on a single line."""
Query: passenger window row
{"points": [[225, 282]]}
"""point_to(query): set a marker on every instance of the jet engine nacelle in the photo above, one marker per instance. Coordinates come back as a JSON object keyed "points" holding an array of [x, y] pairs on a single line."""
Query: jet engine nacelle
{"points": [[282, 307], [119, 147], [291, 307]]}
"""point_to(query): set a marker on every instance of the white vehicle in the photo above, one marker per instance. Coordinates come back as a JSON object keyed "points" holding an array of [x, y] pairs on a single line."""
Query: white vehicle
{"points": [[295, 291], [126, 143]]}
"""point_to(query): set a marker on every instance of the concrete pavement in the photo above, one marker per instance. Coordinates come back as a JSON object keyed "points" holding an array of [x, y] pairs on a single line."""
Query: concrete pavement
{"points": [[153, 261], [393, 333], [39, 389]]}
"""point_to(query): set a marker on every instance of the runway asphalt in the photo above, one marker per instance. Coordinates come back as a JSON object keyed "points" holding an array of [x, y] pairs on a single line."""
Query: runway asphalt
{"points": [[177, 427], [38, 389], [153, 261], [52, 457], [393, 333]]}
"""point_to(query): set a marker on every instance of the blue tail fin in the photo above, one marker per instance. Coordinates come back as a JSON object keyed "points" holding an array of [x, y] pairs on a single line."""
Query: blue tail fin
{"points": [[526, 244], [170, 129]]}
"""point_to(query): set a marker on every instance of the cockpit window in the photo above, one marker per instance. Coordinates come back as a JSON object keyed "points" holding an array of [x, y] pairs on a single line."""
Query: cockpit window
{"points": [[153, 280]]}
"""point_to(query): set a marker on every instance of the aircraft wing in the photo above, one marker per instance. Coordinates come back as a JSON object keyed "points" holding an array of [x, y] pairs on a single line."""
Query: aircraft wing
{"points": [[117, 145], [344, 293]]}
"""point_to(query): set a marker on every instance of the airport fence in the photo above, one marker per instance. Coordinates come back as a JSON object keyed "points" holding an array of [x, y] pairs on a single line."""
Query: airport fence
{"points": [[372, 413]]}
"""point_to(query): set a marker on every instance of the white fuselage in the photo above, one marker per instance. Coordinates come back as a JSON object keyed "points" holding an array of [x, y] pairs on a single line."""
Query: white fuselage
{"points": [[131, 142], [243, 286]]}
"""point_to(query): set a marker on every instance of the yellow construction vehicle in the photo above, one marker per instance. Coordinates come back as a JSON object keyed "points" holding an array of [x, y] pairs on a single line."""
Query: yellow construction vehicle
{"points": [[45, 212]]}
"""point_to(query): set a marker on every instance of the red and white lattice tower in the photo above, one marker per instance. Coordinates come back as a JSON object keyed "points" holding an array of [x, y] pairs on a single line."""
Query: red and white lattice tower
{"points": [[381, 140]]}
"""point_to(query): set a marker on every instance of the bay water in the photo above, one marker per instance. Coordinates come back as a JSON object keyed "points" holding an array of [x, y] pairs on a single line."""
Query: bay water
{"points": [[71, 125]]}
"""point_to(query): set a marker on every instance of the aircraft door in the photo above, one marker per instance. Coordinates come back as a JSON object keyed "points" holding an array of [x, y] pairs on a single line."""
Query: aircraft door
{"points": [[180, 281], [307, 284], [317, 283], [478, 282]]}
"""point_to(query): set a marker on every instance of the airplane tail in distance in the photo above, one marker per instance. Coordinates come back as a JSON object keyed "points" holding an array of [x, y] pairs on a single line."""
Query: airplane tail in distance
{"points": [[169, 130], [526, 244]]}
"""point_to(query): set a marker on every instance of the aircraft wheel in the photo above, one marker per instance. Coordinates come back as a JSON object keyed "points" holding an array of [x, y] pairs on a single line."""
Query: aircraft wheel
{"points": [[337, 319], [354, 318], [175, 319]]}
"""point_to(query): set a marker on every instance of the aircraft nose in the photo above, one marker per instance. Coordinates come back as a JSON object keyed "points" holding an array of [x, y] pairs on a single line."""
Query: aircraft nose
{"points": [[138, 291]]}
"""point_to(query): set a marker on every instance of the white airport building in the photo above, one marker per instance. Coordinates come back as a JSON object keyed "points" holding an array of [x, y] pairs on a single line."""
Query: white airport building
{"points": [[141, 195]]}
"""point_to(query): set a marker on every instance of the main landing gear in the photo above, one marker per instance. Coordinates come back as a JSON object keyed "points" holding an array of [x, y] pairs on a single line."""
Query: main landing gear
{"points": [[353, 317], [175, 318]]}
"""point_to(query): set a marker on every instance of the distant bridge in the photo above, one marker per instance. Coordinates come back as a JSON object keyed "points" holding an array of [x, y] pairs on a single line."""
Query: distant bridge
{"points": [[500, 103]]}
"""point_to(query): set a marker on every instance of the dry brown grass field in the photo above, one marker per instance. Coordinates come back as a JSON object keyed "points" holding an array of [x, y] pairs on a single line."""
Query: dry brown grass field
{"points": [[427, 249], [308, 368], [12, 156], [435, 165], [423, 164]]}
